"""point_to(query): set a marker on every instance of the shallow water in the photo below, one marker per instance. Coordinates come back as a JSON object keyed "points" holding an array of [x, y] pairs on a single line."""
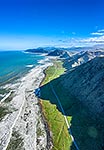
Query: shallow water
{"points": [[14, 64]]}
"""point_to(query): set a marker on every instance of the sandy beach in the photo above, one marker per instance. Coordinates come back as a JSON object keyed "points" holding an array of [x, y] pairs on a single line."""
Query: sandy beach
{"points": [[24, 119]]}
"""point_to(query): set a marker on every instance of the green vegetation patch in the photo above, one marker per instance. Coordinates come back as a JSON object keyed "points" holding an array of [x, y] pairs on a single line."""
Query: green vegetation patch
{"points": [[55, 119], [56, 122], [39, 132], [9, 99], [16, 142], [53, 71], [4, 111], [3, 91]]}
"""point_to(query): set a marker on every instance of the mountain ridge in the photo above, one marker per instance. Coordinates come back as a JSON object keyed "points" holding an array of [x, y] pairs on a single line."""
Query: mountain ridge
{"points": [[86, 82]]}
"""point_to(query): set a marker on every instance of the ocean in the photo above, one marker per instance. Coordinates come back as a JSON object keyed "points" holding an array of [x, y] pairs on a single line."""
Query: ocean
{"points": [[15, 64]]}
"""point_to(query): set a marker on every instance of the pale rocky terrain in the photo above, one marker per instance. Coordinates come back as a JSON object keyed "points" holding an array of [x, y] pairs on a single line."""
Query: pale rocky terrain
{"points": [[23, 127], [82, 57]]}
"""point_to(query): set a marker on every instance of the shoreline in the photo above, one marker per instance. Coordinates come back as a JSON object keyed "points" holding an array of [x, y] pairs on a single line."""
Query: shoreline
{"points": [[48, 131], [25, 112]]}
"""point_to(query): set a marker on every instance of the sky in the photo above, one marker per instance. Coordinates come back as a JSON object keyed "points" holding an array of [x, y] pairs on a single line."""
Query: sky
{"points": [[62, 23]]}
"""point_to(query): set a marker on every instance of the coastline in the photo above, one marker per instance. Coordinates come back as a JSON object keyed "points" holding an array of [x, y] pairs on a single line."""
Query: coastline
{"points": [[46, 125], [25, 117], [50, 111]]}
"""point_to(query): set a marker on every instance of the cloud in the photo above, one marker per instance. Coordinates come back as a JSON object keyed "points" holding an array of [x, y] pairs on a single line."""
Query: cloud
{"points": [[93, 40], [98, 33], [39, 41], [96, 38]]}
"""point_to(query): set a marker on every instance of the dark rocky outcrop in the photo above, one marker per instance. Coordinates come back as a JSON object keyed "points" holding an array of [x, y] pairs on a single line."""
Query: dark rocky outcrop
{"points": [[37, 50], [60, 53]]}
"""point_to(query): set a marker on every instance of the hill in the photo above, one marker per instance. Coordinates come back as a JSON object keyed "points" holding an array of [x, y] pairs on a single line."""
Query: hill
{"points": [[37, 50], [60, 53], [82, 57], [86, 82], [81, 95]]}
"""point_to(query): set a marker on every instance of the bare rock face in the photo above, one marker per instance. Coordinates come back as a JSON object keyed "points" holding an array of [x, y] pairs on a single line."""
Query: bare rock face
{"points": [[86, 82], [82, 57]]}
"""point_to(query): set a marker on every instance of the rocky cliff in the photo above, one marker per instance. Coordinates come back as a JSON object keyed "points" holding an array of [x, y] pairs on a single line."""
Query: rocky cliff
{"points": [[82, 57]]}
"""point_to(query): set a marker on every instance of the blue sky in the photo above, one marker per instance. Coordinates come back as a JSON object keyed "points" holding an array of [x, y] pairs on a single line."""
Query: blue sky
{"points": [[32, 23]]}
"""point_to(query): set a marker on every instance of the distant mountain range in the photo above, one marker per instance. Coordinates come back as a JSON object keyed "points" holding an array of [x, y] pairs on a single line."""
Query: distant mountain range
{"points": [[37, 50], [82, 57], [50, 51], [60, 53], [71, 49]]}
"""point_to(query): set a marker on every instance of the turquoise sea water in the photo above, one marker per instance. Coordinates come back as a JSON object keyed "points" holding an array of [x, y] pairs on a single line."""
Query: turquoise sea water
{"points": [[14, 64]]}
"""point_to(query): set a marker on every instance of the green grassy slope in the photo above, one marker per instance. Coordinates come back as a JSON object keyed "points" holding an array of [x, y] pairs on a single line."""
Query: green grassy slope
{"points": [[87, 130], [55, 119]]}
